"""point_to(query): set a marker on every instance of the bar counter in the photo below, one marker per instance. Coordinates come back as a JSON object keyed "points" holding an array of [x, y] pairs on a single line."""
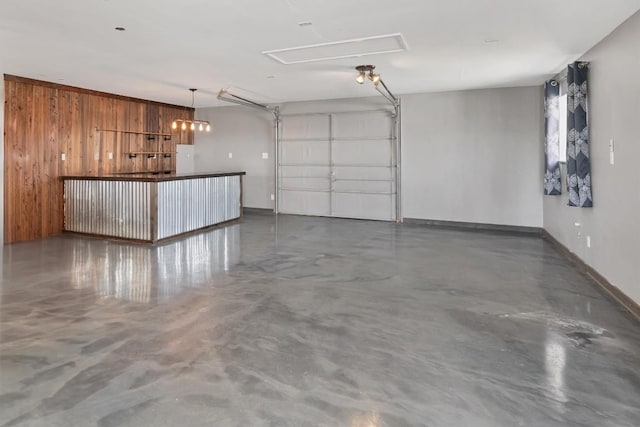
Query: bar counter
{"points": [[148, 207]]}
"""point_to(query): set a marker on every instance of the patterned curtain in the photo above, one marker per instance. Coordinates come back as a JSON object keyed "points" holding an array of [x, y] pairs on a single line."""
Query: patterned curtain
{"points": [[552, 180], [578, 162]]}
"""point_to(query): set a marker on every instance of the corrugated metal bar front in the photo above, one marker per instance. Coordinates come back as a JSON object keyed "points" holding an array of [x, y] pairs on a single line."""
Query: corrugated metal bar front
{"points": [[108, 208], [189, 204]]}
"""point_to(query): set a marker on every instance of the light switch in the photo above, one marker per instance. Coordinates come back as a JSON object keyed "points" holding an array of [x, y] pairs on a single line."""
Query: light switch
{"points": [[265, 156], [63, 157], [110, 155], [231, 155], [611, 152], [273, 197]]}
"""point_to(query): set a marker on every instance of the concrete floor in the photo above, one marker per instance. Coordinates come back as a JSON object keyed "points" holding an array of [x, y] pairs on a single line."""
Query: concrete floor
{"points": [[311, 322]]}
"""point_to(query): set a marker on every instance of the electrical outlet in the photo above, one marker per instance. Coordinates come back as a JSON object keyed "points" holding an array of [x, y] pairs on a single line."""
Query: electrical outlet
{"points": [[265, 156], [230, 155], [273, 197], [63, 157], [588, 241]]}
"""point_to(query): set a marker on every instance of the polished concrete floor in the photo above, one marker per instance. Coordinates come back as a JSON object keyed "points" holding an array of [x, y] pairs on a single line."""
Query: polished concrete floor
{"points": [[311, 322]]}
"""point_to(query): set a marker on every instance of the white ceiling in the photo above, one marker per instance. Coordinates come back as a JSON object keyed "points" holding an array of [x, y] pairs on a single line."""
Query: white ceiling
{"points": [[171, 45]]}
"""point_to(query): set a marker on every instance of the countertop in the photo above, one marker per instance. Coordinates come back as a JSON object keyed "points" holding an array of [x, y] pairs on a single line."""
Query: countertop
{"points": [[150, 177]]}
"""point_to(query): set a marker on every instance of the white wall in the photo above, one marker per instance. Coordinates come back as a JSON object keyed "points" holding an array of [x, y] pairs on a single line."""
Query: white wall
{"points": [[614, 112], [473, 156], [246, 133]]}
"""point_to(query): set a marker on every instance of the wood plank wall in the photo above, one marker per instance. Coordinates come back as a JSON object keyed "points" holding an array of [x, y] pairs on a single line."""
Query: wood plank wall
{"points": [[44, 120]]}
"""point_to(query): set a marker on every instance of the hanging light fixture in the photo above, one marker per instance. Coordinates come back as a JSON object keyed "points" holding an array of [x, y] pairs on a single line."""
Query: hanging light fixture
{"points": [[365, 71], [201, 124]]}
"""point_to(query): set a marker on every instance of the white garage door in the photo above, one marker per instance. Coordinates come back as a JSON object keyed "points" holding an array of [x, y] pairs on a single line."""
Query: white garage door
{"points": [[340, 165]]}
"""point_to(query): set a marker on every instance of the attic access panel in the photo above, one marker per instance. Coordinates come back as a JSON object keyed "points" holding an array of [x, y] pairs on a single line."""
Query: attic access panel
{"points": [[351, 48]]}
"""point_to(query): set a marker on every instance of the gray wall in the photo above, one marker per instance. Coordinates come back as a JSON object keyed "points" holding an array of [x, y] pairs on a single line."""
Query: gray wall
{"points": [[245, 133], [614, 112], [470, 156], [473, 156]]}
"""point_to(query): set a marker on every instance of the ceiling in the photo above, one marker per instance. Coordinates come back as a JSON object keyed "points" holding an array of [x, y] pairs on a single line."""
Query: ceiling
{"points": [[170, 46]]}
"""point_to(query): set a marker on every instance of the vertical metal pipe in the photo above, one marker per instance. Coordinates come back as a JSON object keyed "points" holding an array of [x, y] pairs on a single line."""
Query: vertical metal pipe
{"points": [[331, 170], [276, 115], [399, 218]]}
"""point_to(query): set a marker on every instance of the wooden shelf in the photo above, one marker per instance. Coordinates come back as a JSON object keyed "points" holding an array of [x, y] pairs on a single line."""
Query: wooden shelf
{"points": [[151, 154], [134, 132]]}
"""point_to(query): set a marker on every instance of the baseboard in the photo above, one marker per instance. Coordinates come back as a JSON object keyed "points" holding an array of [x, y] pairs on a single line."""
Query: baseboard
{"points": [[613, 291], [257, 211], [474, 226]]}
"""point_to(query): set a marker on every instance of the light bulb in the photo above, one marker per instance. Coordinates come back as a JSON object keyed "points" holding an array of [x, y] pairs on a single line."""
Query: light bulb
{"points": [[184, 126], [174, 125], [193, 126], [360, 78], [375, 78], [208, 127], [201, 128]]}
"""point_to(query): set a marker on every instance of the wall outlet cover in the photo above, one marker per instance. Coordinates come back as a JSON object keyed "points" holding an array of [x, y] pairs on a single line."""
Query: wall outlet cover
{"points": [[63, 157], [273, 197], [110, 155], [265, 155], [230, 155]]}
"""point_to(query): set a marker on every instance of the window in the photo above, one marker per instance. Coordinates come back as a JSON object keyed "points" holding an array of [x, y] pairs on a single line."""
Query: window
{"points": [[563, 128]]}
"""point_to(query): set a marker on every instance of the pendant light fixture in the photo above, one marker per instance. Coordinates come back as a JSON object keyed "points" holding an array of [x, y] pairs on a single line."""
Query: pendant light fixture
{"points": [[202, 124]]}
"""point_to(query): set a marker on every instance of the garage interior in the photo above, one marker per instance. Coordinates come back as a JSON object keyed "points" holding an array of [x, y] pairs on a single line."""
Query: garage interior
{"points": [[432, 225]]}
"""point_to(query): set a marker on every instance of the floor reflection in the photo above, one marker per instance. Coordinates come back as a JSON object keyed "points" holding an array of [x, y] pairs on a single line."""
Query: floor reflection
{"points": [[555, 361], [154, 274]]}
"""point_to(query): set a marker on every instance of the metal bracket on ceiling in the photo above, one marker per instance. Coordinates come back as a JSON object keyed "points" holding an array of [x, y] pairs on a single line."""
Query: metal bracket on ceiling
{"points": [[227, 96]]}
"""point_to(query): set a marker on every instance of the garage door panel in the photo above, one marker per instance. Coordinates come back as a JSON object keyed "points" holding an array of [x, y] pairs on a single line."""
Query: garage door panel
{"points": [[362, 152], [301, 183], [306, 127], [365, 125], [372, 173], [305, 171], [305, 202], [364, 186], [364, 206], [305, 152]]}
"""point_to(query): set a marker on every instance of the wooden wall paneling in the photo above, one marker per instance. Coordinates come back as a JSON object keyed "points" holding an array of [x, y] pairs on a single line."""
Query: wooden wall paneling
{"points": [[51, 201], [14, 159], [29, 213], [93, 109], [150, 117], [123, 163]]}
